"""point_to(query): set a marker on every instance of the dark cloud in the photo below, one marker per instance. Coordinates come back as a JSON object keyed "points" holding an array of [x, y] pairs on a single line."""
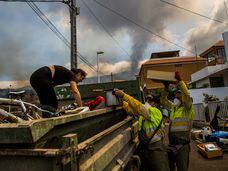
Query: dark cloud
{"points": [[33, 38], [149, 13], [208, 32], [25, 42]]}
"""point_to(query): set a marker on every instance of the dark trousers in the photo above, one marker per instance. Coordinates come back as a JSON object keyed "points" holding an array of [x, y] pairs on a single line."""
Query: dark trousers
{"points": [[41, 82], [153, 157], [181, 160]]}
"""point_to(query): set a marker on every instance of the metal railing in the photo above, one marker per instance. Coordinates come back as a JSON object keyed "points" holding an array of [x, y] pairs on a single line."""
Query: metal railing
{"points": [[223, 113], [200, 110]]}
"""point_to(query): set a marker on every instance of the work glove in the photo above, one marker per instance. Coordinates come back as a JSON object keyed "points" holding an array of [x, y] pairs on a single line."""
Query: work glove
{"points": [[118, 93], [178, 76]]}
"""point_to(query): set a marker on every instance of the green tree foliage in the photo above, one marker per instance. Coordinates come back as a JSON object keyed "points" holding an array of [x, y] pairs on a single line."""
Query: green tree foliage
{"points": [[209, 98]]}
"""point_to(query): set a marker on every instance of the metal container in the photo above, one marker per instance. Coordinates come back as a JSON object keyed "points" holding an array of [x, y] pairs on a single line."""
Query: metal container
{"points": [[92, 141], [111, 99]]}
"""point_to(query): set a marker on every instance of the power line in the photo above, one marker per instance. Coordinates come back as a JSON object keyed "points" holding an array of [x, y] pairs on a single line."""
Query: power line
{"points": [[142, 27], [31, 0], [88, 64], [196, 13], [105, 29], [43, 17]]}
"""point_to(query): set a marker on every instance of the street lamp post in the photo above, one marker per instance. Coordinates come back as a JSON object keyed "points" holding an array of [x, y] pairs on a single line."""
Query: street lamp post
{"points": [[98, 76]]}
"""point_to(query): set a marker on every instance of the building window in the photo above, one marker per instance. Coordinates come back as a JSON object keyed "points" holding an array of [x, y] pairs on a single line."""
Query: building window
{"points": [[221, 52], [211, 56], [216, 81], [178, 65]]}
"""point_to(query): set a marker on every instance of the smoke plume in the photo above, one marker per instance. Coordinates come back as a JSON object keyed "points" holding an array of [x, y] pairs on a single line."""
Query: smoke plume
{"points": [[32, 44], [144, 13]]}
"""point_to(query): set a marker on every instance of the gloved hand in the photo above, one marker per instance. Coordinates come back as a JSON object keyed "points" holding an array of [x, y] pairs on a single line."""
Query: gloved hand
{"points": [[118, 93], [178, 76]]}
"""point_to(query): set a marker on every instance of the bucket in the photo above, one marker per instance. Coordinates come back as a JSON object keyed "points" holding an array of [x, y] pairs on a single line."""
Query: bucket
{"points": [[111, 99]]}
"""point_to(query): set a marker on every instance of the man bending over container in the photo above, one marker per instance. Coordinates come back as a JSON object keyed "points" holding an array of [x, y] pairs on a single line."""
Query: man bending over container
{"points": [[46, 78], [151, 148]]}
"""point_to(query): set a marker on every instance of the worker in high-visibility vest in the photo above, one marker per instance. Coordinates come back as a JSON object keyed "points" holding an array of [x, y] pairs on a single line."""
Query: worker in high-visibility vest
{"points": [[181, 117], [152, 150]]}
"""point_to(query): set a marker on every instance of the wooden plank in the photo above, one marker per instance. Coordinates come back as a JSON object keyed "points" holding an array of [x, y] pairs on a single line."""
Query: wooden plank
{"points": [[104, 133], [161, 75], [104, 156]]}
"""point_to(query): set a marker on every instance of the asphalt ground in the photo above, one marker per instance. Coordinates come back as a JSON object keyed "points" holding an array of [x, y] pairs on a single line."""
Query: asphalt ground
{"points": [[200, 163]]}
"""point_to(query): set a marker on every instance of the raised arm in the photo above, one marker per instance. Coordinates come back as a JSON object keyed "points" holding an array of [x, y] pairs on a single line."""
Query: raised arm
{"points": [[186, 99], [164, 98], [133, 105], [186, 96], [76, 93]]}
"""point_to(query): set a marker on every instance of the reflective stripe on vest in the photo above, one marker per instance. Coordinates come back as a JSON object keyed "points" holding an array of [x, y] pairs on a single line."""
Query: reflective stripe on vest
{"points": [[145, 137], [150, 132], [180, 124], [140, 122], [147, 131], [144, 109]]}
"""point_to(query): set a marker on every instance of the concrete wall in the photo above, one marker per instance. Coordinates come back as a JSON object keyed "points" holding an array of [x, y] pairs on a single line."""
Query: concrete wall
{"points": [[197, 94], [208, 71], [225, 76], [225, 38]]}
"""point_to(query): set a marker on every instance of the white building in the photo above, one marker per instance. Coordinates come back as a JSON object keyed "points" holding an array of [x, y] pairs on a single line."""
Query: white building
{"points": [[211, 76], [212, 79], [215, 74]]}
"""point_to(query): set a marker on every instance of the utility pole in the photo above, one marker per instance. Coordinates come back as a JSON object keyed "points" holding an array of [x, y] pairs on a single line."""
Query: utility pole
{"points": [[74, 11]]}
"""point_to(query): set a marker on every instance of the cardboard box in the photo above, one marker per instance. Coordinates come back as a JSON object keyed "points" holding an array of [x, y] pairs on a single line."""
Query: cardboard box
{"points": [[161, 75], [209, 154], [196, 134]]}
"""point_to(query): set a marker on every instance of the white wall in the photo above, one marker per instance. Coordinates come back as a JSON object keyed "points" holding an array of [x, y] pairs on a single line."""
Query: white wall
{"points": [[225, 38], [225, 77], [207, 71], [197, 94]]}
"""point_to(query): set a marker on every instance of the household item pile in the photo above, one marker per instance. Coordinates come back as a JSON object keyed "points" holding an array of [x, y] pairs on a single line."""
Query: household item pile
{"points": [[210, 150]]}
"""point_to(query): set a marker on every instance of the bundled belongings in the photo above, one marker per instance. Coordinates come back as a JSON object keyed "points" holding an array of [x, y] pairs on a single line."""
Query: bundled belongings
{"points": [[195, 134], [220, 134], [211, 147], [209, 150], [98, 103], [221, 138]]}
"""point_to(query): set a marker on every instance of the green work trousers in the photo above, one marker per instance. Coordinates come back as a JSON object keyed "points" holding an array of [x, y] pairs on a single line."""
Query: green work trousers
{"points": [[180, 161], [154, 157]]}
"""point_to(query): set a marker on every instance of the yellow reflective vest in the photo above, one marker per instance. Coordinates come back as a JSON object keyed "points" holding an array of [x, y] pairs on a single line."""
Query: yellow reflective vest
{"points": [[181, 117], [149, 118]]}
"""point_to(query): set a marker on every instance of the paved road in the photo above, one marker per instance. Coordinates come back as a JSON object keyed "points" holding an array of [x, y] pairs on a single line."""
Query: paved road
{"points": [[199, 163]]}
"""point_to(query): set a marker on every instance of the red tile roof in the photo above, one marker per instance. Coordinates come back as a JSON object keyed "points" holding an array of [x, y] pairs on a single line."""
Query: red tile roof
{"points": [[217, 44], [157, 61]]}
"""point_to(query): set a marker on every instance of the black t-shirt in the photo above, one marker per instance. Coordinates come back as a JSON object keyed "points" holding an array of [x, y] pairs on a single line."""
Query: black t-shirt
{"points": [[62, 75]]}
